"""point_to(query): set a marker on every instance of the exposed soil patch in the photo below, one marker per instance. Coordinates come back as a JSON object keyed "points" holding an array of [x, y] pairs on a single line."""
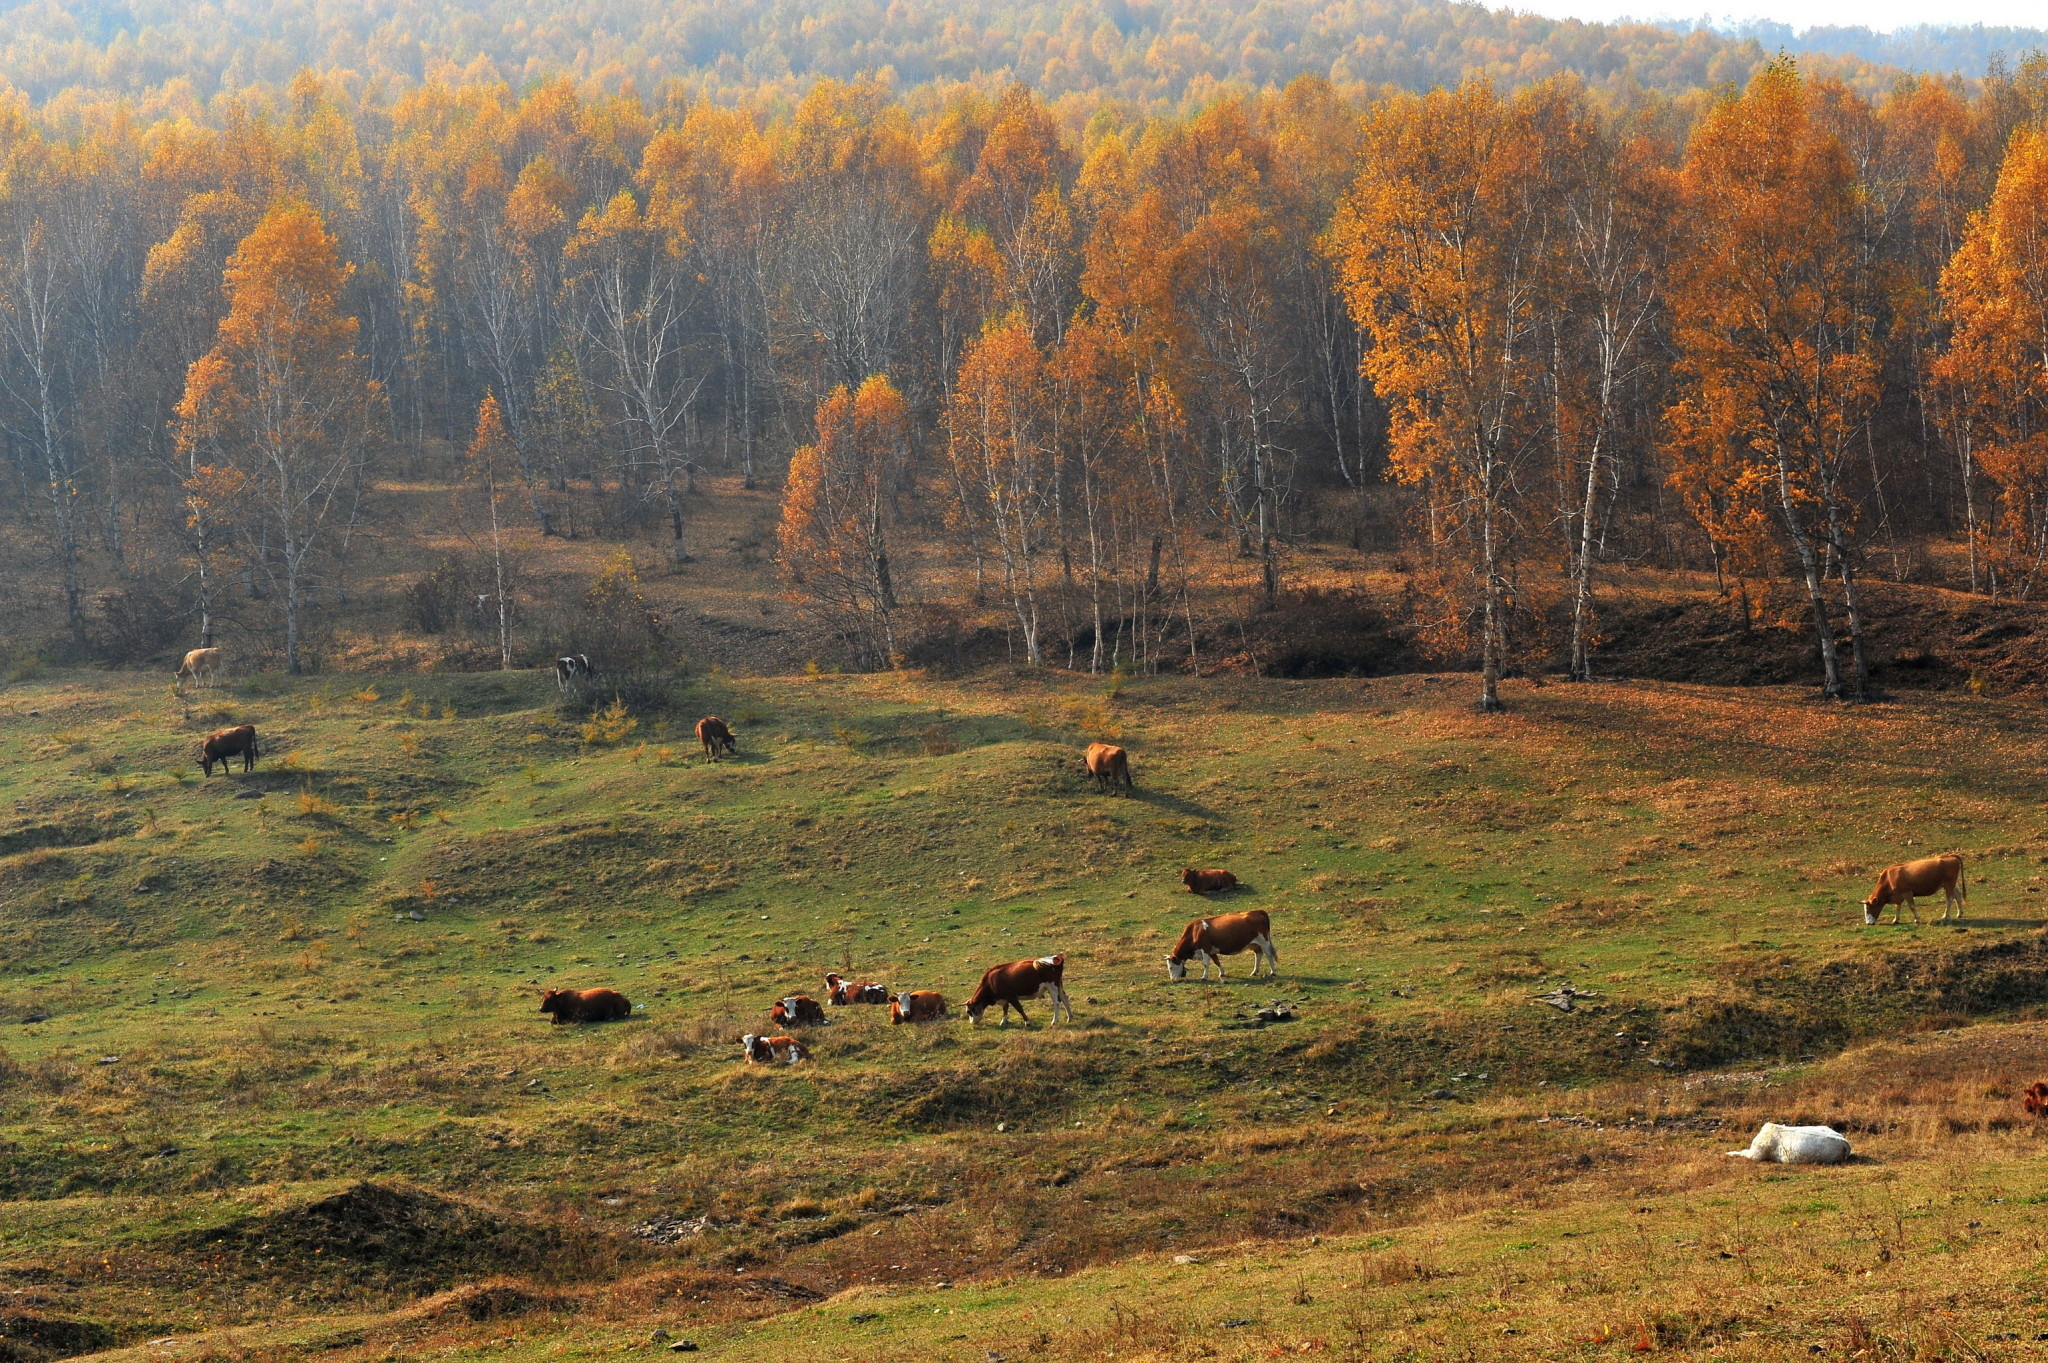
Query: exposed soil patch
{"points": [[1916, 638], [1320, 633], [29, 1338], [400, 1238]]}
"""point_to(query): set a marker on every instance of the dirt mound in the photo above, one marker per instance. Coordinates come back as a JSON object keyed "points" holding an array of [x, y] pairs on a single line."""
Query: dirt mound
{"points": [[29, 1338], [1915, 638], [496, 1301], [400, 1237]]}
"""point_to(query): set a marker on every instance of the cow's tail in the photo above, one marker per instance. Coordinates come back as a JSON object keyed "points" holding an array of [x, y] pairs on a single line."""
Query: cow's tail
{"points": [[1962, 879]]}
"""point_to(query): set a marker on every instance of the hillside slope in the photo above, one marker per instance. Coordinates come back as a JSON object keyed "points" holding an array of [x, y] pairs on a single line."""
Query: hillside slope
{"points": [[272, 1050]]}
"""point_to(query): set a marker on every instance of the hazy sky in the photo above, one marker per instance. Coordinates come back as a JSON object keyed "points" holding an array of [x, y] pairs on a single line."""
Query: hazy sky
{"points": [[1876, 14]]}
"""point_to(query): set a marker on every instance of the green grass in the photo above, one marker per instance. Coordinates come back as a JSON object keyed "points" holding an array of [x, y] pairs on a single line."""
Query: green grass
{"points": [[281, 1025]]}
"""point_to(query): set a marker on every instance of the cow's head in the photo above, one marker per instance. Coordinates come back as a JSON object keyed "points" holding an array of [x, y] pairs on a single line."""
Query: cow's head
{"points": [[1870, 909], [974, 1014], [747, 1045], [550, 1000], [1187, 877], [1176, 968]]}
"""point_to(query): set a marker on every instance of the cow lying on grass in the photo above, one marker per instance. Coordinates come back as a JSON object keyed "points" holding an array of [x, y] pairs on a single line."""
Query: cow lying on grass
{"points": [[1207, 882], [585, 1005], [1775, 1144], [798, 1010], [773, 1050], [839, 990], [917, 1005]]}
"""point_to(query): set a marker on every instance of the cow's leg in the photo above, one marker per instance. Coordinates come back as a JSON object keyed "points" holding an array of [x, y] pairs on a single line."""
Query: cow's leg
{"points": [[1956, 898]]}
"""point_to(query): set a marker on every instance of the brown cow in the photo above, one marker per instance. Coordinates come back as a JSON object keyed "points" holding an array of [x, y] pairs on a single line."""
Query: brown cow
{"points": [[1011, 984], [1109, 765], [798, 1010], [585, 1005], [715, 737], [1207, 882], [222, 744], [773, 1050], [203, 666], [1902, 884], [1226, 934], [2034, 1098], [840, 991], [917, 1005]]}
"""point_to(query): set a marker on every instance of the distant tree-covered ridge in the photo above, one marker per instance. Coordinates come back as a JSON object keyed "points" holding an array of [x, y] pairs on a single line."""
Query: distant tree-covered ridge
{"points": [[1140, 52]]}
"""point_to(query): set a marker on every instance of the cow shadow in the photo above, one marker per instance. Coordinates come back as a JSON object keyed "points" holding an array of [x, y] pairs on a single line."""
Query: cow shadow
{"points": [[742, 758], [1989, 923], [1175, 804]]}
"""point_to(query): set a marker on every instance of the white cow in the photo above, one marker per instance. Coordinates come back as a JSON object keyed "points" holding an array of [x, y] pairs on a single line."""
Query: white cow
{"points": [[1775, 1144]]}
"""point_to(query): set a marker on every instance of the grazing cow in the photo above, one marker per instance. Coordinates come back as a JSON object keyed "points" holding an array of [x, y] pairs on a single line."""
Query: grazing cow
{"points": [[773, 1050], [1010, 985], [222, 744], [1775, 1144], [1902, 884], [1211, 939], [1207, 882], [574, 667], [798, 1010], [1109, 765], [917, 1005], [585, 1005], [203, 666], [2035, 1100], [839, 991], [715, 737]]}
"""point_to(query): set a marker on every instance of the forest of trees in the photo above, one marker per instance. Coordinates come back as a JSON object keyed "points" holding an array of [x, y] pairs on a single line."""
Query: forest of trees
{"points": [[987, 350], [1148, 55]]}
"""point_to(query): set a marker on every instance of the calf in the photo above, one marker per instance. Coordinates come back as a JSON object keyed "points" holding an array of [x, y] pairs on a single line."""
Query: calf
{"points": [[1211, 939], [585, 1005], [2034, 1098], [1109, 765], [715, 737], [773, 1050], [798, 1010], [222, 744], [572, 668], [1207, 882], [1902, 884], [920, 1005], [203, 666], [840, 991], [1011, 984]]}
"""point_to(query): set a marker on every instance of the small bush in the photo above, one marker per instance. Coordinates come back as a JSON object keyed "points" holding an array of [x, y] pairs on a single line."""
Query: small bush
{"points": [[609, 726]]}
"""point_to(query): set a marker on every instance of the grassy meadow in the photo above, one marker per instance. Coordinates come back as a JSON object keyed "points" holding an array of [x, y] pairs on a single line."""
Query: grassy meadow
{"points": [[273, 1081]]}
